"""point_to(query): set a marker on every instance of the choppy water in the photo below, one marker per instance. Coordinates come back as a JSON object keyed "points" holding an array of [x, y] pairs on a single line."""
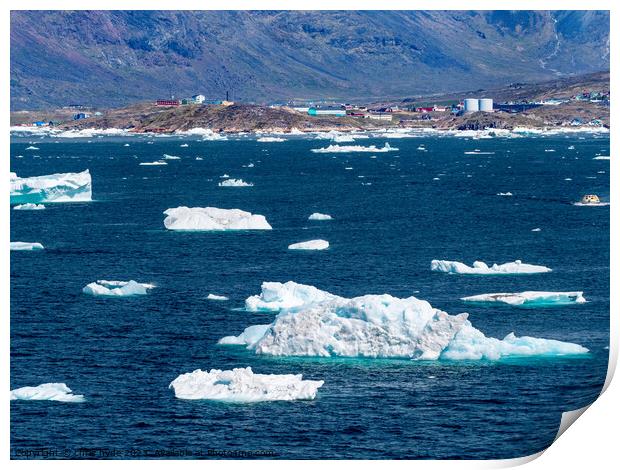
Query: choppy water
{"points": [[122, 353]]}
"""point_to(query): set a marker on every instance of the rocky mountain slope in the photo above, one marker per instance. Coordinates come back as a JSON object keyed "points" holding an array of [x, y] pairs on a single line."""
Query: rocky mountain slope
{"points": [[112, 58]]}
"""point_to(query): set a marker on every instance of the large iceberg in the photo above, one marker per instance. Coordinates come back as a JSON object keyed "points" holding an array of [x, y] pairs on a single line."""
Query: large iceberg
{"points": [[212, 218], [116, 288], [243, 386], [529, 298], [49, 391], [312, 322], [25, 246], [319, 216], [29, 207], [355, 148], [235, 183], [310, 245], [479, 267], [59, 187]]}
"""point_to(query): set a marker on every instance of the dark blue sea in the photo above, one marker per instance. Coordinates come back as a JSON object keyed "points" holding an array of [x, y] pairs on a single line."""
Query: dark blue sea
{"points": [[122, 354]]}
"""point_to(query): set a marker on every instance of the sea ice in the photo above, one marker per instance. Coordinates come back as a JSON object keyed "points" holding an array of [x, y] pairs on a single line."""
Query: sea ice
{"points": [[32, 147], [59, 187], [319, 216], [235, 183], [310, 245], [378, 326], [116, 288], [25, 246], [271, 139], [505, 194], [355, 148], [243, 386], [155, 163], [212, 218], [529, 298], [29, 207], [602, 157], [49, 391], [216, 297], [479, 267]]}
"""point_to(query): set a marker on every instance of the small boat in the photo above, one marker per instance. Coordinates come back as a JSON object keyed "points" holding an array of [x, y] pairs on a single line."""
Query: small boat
{"points": [[590, 199]]}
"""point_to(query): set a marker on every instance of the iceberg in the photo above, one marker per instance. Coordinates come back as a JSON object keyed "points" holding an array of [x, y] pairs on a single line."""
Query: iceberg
{"points": [[184, 145], [276, 296], [59, 187], [212, 218], [29, 207], [25, 246], [243, 386], [310, 245], [206, 134], [319, 216], [355, 148], [171, 157], [505, 194], [602, 157], [116, 288], [271, 139], [233, 183], [156, 163], [216, 297], [49, 391], [343, 138], [32, 147], [529, 298], [479, 267], [374, 326]]}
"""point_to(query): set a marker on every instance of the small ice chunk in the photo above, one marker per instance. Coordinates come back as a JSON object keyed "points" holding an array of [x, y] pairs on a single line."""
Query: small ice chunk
{"points": [[243, 386], [48, 391], [479, 267], [529, 298], [171, 157], [505, 194], [32, 147], [537, 229], [213, 218], [29, 207], [116, 288], [355, 148], [319, 216], [25, 246], [271, 139], [216, 297], [156, 163], [236, 183], [184, 145], [310, 245]]}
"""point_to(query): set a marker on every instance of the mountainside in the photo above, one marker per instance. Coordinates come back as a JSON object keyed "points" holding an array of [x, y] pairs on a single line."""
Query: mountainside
{"points": [[112, 58]]}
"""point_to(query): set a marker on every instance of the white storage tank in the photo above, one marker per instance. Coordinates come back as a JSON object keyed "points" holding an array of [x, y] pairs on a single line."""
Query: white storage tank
{"points": [[485, 104], [471, 105]]}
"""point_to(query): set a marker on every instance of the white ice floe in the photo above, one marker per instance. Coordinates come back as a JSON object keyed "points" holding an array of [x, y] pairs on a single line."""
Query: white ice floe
{"points": [[116, 288], [59, 187], [184, 145], [171, 157], [216, 297], [212, 218], [537, 229], [155, 163], [29, 207], [355, 148], [25, 246], [206, 134], [343, 138], [505, 194], [49, 391], [479, 267], [235, 183], [602, 157], [32, 147], [276, 296], [591, 204], [310, 245], [322, 324], [529, 298], [319, 216], [243, 386], [271, 139]]}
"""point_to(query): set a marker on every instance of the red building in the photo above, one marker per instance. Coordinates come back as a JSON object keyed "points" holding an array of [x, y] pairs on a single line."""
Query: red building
{"points": [[167, 102]]}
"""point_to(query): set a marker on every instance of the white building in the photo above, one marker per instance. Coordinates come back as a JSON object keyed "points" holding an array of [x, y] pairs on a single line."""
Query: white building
{"points": [[198, 99]]}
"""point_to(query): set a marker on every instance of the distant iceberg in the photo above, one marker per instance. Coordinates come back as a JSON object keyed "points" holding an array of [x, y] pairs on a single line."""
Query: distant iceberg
{"points": [[343, 138], [355, 148], [217, 297], [59, 187], [324, 325], [602, 157], [319, 216], [212, 218], [310, 245], [529, 298], [25, 246], [206, 134], [29, 207], [171, 157], [49, 391], [505, 194], [116, 288], [479, 267], [155, 163], [270, 139], [32, 147], [243, 386], [235, 183]]}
